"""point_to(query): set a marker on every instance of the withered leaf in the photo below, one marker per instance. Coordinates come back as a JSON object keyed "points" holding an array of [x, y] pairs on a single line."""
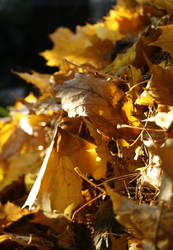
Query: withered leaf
{"points": [[10, 213], [144, 222], [161, 85], [58, 166], [92, 97], [165, 153], [41, 81], [165, 39], [80, 47]]}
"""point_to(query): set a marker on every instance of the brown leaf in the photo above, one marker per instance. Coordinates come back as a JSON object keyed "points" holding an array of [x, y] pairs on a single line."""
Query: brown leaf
{"points": [[10, 213], [160, 4], [165, 39], [148, 223], [92, 97], [165, 153], [161, 84]]}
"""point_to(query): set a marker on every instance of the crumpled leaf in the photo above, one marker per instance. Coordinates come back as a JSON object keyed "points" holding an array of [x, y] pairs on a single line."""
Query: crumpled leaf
{"points": [[146, 223], [165, 153], [92, 97], [10, 213], [166, 38], [83, 155], [161, 85], [41, 81], [12, 138]]}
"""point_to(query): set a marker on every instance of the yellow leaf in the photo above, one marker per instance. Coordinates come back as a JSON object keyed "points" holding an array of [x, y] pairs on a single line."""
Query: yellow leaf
{"points": [[12, 138], [83, 155], [65, 193], [40, 81], [145, 99], [165, 153], [80, 47], [165, 39], [122, 60], [129, 110], [161, 84]]}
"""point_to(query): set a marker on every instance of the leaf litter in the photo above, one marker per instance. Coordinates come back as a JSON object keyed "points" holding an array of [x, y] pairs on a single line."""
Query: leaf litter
{"points": [[91, 157]]}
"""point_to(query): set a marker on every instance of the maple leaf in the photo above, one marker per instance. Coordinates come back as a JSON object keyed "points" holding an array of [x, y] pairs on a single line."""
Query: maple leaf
{"points": [[160, 86], [58, 167], [165, 39], [92, 97], [122, 60], [165, 153], [82, 47], [132, 216], [41, 81], [93, 44]]}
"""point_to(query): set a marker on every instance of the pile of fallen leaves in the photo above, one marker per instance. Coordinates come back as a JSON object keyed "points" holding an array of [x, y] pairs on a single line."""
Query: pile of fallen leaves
{"points": [[88, 164]]}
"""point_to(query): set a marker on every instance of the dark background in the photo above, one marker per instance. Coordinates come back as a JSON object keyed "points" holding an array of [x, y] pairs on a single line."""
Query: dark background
{"points": [[24, 29]]}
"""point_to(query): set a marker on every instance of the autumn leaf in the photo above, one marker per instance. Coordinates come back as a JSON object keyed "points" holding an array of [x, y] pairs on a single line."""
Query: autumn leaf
{"points": [[163, 4], [103, 120], [10, 213], [41, 81], [122, 60], [132, 216], [82, 47], [58, 167], [92, 97], [160, 85], [165, 154]]}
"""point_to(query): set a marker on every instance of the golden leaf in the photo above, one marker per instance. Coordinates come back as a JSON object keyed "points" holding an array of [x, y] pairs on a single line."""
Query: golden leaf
{"points": [[83, 155], [165, 153], [80, 47], [41, 81], [61, 183], [122, 60], [165, 39], [161, 84]]}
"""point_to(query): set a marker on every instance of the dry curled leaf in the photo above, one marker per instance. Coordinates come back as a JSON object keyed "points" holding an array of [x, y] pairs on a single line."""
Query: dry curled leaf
{"points": [[96, 98]]}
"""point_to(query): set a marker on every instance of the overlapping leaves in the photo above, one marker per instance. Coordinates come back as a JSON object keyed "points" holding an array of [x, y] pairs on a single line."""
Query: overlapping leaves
{"points": [[105, 117]]}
